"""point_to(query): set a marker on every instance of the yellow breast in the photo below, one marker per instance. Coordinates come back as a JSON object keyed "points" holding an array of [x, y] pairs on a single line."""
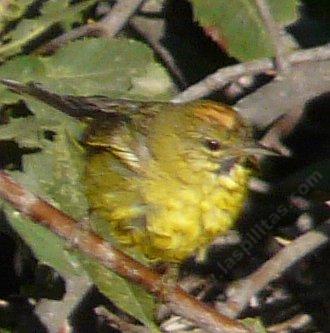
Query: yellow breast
{"points": [[164, 218], [183, 220]]}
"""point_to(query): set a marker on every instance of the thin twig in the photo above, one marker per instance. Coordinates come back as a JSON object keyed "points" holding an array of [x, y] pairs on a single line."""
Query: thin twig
{"points": [[93, 246], [66, 328], [55, 314], [158, 48], [117, 17], [176, 324], [102, 28], [298, 322], [119, 323], [281, 61], [281, 129], [223, 76], [245, 289], [90, 29]]}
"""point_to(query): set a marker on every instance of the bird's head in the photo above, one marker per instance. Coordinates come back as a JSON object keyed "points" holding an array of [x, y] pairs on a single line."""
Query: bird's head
{"points": [[208, 136]]}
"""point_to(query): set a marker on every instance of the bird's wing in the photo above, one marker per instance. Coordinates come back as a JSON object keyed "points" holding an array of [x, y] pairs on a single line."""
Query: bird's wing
{"points": [[78, 106], [121, 140], [116, 125]]}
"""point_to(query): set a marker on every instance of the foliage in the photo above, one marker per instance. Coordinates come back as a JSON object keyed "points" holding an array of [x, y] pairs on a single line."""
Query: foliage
{"points": [[240, 26], [52, 12], [54, 171]]}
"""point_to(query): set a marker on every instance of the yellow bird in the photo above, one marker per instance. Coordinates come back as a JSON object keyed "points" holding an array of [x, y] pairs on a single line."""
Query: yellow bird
{"points": [[168, 178]]}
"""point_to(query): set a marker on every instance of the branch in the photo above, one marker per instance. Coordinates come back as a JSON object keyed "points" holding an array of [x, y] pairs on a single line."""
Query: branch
{"points": [[272, 269], [108, 26], [103, 28], [223, 76], [281, 129], [297, 323], [55, 314], [118, 17], [93, 246], [90, 29], [118, 323], [281, 61], [146, 30]]}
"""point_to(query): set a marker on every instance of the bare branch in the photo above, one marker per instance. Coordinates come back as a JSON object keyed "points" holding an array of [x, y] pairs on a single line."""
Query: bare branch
{"points": [[118, 17], [223, 76], [146, 31], [298, 322], [108, 26], [119, 323], [90, 29], [93, 246], [281, 61], [280, 129], [245, 289], [55, 314]]}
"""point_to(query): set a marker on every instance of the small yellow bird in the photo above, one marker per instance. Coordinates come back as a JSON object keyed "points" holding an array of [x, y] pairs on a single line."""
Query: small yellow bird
{"points": [[168, 178]]}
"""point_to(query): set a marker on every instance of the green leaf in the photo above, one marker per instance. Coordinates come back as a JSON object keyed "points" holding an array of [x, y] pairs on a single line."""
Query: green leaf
{"points": [[54, 173], [284, 11], [103, 67], [46, 246], [4, 330], [255, 324], [11, 10], [29, 132], [26, 132], [53, 12], [240, 26], [127, 296], [154, 82], [57, 170], [115, 68]]}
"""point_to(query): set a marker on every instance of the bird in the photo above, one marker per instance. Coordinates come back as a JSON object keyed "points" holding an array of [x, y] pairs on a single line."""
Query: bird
{"points": [[166, 179]]}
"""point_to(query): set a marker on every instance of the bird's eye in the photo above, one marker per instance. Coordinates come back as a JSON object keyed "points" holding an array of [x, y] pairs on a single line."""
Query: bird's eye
{"points": [[213, 144]]}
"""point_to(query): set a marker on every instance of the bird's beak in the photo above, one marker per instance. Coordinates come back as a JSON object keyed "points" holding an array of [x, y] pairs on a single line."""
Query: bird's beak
{"points": [[251, 153], [259, 150], [252, 150], [255, 152]]}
